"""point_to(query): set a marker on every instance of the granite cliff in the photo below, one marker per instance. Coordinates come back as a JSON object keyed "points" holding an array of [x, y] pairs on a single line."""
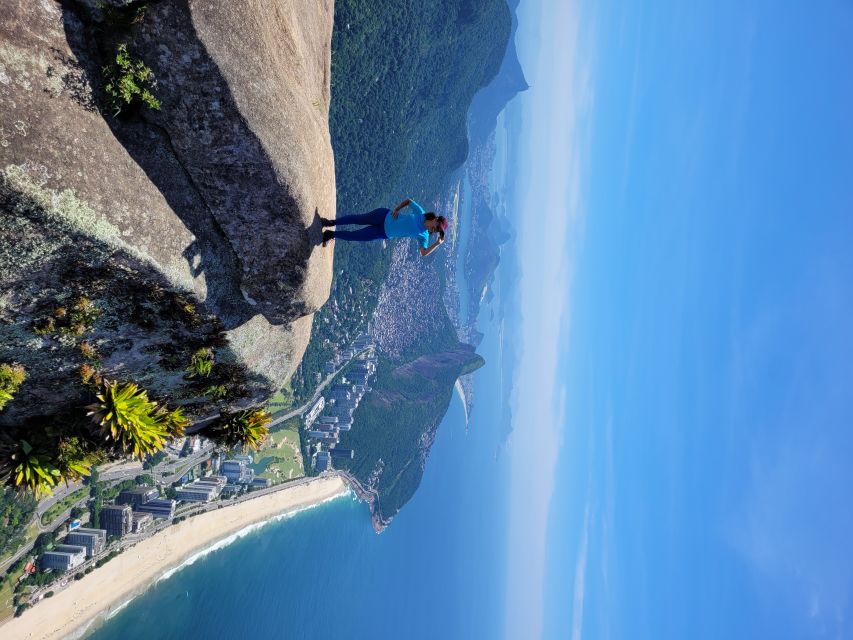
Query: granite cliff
{"points": [[130, 240]]}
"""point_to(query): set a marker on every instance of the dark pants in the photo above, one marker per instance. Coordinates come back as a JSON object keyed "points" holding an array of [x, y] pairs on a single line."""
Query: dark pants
{"points": [[375, 229]]}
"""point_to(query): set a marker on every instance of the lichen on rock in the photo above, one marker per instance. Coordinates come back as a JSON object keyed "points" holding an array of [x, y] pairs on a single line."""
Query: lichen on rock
{"points": [[195, 226]]}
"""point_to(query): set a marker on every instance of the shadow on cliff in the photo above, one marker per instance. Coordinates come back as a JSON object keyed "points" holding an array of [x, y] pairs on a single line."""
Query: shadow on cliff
{"points": [[144, 330], [211, 169]]}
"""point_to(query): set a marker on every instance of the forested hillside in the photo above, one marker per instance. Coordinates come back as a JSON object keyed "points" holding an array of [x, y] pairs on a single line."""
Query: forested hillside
{"points": [[404, 74]]}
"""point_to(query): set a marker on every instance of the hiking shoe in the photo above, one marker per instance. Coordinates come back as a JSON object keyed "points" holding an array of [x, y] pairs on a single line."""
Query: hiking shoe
{"points": [[327, 235], [326, 222]]}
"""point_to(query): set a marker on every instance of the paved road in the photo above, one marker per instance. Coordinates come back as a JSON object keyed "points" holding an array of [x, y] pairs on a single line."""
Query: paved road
{"points": [[182, 465], [127, 471]]}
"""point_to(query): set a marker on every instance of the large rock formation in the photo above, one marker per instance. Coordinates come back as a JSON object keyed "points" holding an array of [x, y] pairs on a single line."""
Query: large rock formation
{"points": [[397, 424], [195, 225]]}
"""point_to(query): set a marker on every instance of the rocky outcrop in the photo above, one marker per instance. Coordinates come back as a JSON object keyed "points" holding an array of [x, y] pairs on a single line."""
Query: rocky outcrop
{"points": [[192, 225]]}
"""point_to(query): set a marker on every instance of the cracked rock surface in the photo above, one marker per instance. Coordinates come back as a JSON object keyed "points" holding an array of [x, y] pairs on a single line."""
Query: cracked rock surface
{"points": [[210, 203]]}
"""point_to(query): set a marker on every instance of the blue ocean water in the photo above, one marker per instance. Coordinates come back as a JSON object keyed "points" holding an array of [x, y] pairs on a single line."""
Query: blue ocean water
{"points": [[437, 572]]}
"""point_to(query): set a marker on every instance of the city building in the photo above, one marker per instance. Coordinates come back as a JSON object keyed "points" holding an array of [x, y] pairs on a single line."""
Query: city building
{"points": [[261, 483], [64, 557], [323, 436], [159, 508], [93, 540], [326, 428], [138, 496], [328, 419], [344, 413], [323, 461], [340, 453], [141, 521], [198, 492], [314, 411], [230, 490], [117, 519], [232, 469], [237, 470], [242, 457], [219, 481]]}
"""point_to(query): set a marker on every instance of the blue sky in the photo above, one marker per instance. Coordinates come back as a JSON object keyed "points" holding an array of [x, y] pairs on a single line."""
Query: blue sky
{"points": [[681, 454], [552, 141]]}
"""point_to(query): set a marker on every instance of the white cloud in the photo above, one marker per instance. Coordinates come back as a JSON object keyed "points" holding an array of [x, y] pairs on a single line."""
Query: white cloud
{"points": [[553, 149], [580, 579]]}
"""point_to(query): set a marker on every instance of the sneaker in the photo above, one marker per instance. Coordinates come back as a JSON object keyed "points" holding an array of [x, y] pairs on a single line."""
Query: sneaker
{"points": [[327, 235], [326, 222]]}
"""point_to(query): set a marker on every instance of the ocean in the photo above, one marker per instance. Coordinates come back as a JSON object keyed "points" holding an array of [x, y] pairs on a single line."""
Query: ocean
{"points": [[438, 571]]}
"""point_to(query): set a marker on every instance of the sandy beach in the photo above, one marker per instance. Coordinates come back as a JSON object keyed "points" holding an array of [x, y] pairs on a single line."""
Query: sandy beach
{"points": [[70, 611]]}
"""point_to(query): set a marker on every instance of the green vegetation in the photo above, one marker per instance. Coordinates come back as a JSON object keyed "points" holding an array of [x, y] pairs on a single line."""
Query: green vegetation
{"points": [[282, 400], [281, 458], [89, 375], [16, 511], [75, 459], [408, 402], [66, 503], [153, 460], [128, 82], [74, 322], [248, 429], [49, 453], [137, 425], [405, 74], [30, 467], [12, 376], [112, 554], [216, 391], [7, 592], [201, 364], [88, 351]]}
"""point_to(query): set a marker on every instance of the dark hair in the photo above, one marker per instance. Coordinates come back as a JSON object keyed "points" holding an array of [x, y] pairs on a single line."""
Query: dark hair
{"points": [[430, 215]]}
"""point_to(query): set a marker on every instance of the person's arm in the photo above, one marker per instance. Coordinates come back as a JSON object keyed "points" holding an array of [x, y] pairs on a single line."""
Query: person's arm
{"points": [[432, 247], [402, 205]]}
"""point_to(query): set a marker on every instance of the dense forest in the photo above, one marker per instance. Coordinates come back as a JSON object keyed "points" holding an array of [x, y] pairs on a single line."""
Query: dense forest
{"points": [[16, 511], [404, 74], [396, 423]]}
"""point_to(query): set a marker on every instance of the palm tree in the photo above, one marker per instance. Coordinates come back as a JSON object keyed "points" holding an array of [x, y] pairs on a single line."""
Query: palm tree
{"points": [[27, 467], [74, 460], [248, 428], [125, 415]]}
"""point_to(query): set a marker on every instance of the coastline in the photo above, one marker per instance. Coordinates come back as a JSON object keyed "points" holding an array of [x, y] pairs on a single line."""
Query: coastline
{"points": [[110, 588]]}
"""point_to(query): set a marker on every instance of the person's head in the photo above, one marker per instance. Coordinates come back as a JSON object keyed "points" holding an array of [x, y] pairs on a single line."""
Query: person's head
{"points": [[435, 224]]}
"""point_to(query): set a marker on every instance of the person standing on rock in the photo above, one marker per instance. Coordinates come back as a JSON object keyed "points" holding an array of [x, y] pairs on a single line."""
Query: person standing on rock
{"points": [[381, 224]]}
